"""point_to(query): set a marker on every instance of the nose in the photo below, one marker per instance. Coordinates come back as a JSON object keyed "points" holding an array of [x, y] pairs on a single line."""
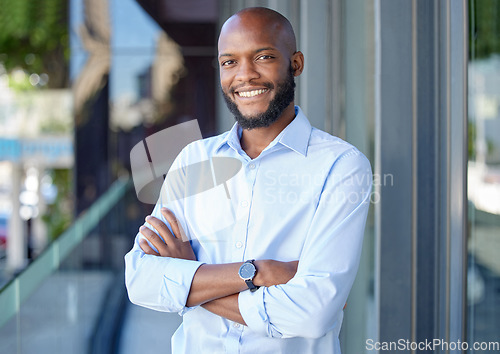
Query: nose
{"points": [[247, 71]]}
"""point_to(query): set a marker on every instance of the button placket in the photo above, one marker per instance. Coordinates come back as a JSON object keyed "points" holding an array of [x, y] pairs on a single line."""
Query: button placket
{"points": [[241, 231], [233, 338]]}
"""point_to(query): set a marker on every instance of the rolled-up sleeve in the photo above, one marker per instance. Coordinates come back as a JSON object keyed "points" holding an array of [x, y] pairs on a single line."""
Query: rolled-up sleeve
{"points": [[161, 283], [311, 303], [158, 283]]}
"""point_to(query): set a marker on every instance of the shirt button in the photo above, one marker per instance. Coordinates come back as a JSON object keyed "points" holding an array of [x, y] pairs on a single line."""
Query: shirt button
{"points": [[244, 204], [236, 325], [239, 244], [251, 166]]}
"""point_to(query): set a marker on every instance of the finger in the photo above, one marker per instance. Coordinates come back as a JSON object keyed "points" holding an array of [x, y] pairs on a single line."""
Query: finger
{"points": [[174, 223], [161, 228], [146, 248], [172, 220], [155, 240]]}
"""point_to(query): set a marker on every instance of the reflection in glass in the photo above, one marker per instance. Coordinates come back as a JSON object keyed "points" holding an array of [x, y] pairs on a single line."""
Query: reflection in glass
{"points": [[484, 173]]}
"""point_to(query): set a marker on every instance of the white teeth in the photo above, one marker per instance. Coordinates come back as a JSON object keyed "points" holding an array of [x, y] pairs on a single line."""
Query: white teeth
{"points": [[251, 93]]}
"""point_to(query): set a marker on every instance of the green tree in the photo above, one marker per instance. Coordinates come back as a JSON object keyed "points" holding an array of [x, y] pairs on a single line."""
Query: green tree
{"points": [[484, 20], [59, 215], [34, 37]]}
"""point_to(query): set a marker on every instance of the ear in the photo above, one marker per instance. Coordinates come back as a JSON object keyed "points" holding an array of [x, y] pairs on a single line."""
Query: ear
{"points": [[297, 61]]}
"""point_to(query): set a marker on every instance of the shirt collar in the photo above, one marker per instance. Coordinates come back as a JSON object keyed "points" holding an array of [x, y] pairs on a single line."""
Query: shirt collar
{"points": [[295, 136], [232, 138]]}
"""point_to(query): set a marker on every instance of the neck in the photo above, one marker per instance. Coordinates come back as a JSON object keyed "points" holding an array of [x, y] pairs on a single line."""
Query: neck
{"points": [[254, 141]]}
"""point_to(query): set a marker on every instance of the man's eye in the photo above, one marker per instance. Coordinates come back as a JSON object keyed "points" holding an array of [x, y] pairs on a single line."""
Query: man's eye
{"points": [[265, 57], [227, 63]]}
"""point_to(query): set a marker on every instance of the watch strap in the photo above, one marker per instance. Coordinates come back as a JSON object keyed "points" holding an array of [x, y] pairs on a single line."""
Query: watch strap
{"points": [[251, 285]]}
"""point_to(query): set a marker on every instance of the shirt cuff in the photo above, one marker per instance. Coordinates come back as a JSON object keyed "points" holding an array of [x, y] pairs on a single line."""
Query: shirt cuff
{"points": [[177, 280], [252, 309]]}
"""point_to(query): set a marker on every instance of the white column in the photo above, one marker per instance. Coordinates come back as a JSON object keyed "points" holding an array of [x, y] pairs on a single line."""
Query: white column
{"points": [[16, 240], [39, 231]]}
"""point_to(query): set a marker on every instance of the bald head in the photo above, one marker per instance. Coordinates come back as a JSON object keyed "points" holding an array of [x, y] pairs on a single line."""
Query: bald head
{"points": [[266, 21]]}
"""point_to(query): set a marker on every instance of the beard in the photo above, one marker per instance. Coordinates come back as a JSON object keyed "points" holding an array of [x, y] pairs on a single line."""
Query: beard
{"points": [[285, 94]]}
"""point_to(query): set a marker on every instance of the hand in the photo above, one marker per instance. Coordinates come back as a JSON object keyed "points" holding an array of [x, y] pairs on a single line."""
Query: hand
{"points": [[175, 246], [271, 272]]}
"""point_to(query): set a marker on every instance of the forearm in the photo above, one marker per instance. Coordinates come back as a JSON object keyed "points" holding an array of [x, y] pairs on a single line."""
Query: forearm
{"points": [[269, 273], [214, 281], [226, 307]]}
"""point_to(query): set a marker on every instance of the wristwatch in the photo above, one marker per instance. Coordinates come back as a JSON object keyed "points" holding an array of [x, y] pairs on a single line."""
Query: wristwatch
{"points": [[247, 272]]}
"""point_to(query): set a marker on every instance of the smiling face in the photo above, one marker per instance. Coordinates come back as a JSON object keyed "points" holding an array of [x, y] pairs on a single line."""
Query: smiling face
{"points": [[283, 98], [258, 63]]}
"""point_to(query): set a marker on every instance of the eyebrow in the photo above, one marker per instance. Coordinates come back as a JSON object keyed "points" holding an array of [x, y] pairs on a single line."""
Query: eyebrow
{"points": [[256, 51]]}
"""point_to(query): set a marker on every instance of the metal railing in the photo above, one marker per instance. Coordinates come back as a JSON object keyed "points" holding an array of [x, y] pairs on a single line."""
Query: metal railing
{"points": [[17, 290]]}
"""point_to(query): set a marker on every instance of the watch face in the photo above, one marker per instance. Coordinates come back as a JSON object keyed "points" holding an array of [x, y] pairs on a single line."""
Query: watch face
{"points": [[247, 271]]}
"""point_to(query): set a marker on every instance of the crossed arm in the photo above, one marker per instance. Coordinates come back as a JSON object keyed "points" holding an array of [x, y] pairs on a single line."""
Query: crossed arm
{"points": [[215, 286]]}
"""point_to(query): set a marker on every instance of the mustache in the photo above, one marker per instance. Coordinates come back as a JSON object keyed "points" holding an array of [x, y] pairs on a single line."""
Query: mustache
{"points": [[267, 85]]}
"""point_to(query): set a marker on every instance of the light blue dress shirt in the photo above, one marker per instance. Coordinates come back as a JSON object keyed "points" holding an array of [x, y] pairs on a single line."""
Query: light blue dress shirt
{"points": [[306, 198]]}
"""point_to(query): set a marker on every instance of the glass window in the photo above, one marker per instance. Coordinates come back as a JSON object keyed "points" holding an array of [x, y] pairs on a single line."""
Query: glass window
{"points": [[484, 172]]}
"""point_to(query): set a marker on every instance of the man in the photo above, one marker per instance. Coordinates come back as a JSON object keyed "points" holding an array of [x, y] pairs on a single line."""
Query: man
{"points": [[297, 208]]}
